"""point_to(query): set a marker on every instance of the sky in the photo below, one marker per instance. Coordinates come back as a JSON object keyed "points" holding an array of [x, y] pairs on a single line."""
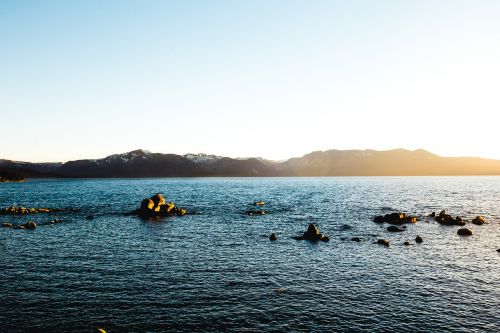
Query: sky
{"points": [[275, 79]]}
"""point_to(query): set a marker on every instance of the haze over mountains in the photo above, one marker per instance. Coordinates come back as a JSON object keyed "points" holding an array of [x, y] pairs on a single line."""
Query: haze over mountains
{"points": [[141, 163]]}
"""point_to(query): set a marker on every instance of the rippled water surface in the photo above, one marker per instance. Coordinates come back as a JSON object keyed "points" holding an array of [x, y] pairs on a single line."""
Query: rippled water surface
{"points": [[216, 270]]}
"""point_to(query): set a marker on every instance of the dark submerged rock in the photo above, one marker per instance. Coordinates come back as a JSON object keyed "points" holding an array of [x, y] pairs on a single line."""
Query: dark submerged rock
{"points": [[418, 239], [90, 217], [393, 228], [406, 243], [356, 239], [30, 225], [383, 242], [464, 232], [252, 212], [345, 227], [273, 237]]}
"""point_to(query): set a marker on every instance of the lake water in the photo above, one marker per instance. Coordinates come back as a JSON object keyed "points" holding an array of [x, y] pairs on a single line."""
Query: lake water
{"points": [[216, 270]]}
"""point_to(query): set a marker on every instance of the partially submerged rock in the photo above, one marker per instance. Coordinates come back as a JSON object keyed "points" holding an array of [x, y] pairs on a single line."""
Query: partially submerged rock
{"points": [[393, 228], [25, 210], [273, 237], [447, 219], [406, 243], [356, 239], [395, 218], [464, 232], [418, 239], [156, 206], [313, 234], [30, 225], [7, 225], [479, 220], [252, 212], [383, 242]]}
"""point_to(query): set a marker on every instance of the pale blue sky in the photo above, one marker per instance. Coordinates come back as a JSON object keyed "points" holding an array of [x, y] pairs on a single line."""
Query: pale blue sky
{"points": [[277, 79]]}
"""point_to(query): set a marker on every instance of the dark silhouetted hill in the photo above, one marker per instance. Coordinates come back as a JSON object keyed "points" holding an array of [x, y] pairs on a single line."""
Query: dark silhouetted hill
{"points": [[141, 163]]}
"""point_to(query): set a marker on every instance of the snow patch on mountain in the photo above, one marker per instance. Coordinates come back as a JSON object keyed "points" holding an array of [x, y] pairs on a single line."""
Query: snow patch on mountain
{"points": [[202, 158]]}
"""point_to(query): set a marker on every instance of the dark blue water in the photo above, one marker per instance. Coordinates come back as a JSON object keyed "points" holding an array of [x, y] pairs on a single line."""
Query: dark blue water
{"points": [[216, 270]]}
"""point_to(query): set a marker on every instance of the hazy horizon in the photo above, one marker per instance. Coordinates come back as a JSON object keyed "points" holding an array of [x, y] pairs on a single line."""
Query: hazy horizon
{"points": [[245, 157], [280, 79]]}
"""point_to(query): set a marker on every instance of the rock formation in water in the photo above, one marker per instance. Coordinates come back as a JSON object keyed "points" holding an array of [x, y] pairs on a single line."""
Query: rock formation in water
{"points": [[313, 234], [479, 220], [464, 232], [395, 218], [447, 219], [156, 206], [383, 242]]}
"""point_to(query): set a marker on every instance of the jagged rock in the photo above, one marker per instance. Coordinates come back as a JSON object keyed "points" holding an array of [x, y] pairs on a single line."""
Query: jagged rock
{"points": [[464, 232], [313, 234], [147, 205], [418, 239], [433, 214], [7, 225], [156, 206], [393, 228], [273, 237], [479, 220], [383, 242]]}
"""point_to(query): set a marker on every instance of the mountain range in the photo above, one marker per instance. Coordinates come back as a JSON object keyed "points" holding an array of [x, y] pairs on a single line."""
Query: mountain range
{"points": [[142, 163]]}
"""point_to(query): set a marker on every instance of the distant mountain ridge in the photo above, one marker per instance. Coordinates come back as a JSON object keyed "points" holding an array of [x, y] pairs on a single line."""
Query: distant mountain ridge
{"points": [[142, 163]]}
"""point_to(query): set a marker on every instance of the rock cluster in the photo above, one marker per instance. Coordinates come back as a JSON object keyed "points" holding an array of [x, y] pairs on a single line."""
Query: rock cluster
{"points": [[395, 218], [156, 206], [447, 219], [24, 210], [252, 212], [27, 225]]}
